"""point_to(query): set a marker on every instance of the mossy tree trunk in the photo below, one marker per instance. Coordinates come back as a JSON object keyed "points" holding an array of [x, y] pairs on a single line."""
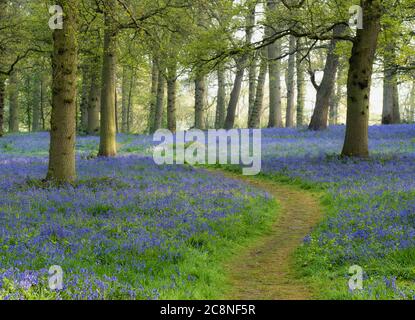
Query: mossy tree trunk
{"points": [[13, 103], [108, 128], [63, 126], [153, 95], [274, 52], [36, 122], [390, 113], [2, 98], [126, 78], [159, 107], [171, 98], [43, 99], [86, 78], [359, 81], [200, 101], [94, 103]]}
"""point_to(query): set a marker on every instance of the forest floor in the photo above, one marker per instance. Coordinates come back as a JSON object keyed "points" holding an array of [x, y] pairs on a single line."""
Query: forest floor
{"points": [[266, 270]]}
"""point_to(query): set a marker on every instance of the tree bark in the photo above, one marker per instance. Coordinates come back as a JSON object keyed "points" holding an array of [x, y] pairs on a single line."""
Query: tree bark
{"points": [[289, 119], [390, 113], [252, 84], [2, 91], [108, 144], [63, 126], [274, 52], [412, 104], [130, 102], [29, 101], [255, 117], [159, 108], [94, 102], [43, 100], [335, 100], [124, 102], [153, 95], [36, 122], [171, 98], [319, 120], [83, 123], [13, 103], [200, 102], [359, 81], [301, 89], [221, 97]]}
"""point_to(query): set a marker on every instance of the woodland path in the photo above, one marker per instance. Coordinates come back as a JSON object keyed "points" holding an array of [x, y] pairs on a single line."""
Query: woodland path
{"points": [[264, 271]]}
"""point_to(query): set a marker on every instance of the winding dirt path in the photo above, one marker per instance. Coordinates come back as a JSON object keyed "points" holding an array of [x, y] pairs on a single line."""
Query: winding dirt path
{"points": [[264, 271]]}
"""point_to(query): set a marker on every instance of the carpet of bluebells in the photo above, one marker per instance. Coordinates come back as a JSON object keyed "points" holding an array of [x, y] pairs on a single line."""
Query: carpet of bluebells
{"points": [[127, 229], [370, 216], [130, 229]]}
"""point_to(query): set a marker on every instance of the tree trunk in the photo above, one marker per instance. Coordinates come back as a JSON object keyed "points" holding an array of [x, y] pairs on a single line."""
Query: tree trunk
{"points": [[335, 100], [255, 118], [29, 102], [117, 129], [43, 100], [274, 52], [130, 102], [2, 91], [200, 102], [124, 102], [94, 101], [289, 119], [236, 91], [390, 114], [252, 84], [221, 97], [63, 126], [153, 95], [171, 98], [83, 123], [13, 103], [412, 104], [359, 81], [319, 120], [108, 143], [301, 89], [159, 108], [36, 125], [240, 71], [171, 104]]}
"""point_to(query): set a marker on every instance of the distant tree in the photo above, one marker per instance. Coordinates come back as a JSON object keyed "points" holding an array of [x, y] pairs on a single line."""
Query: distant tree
{"points": [[254, 120], [2, 98], [221, 98], [241, 62], [200, 100], [390, 112], [301, 86], [319, 120], [290, 80], [14, 119]]}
